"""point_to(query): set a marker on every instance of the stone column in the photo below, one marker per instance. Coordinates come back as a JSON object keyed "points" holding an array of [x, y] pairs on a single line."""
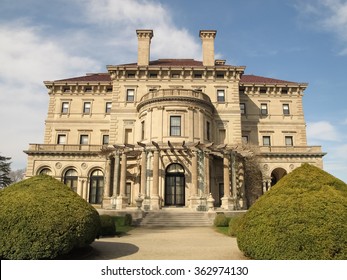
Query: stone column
{"points": [[233, 176], [106, 200], [194, 199], [227, 201], [207, 174], [142, 189], [122, 200], [155, 205]]}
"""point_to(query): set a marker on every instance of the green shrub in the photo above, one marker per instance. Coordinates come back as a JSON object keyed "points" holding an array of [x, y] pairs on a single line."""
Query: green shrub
{"points": [[41, 218], [234, 225], [302, 217], [221, 220], [108, 225], [128, 220]]}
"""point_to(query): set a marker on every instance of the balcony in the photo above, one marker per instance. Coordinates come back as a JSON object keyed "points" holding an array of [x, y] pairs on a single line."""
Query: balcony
{"points": [[167, 95], [291, 150], [58, 148]]}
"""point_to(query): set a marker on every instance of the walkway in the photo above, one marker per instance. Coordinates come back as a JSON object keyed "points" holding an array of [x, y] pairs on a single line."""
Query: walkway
{"points": [[184, 243]]}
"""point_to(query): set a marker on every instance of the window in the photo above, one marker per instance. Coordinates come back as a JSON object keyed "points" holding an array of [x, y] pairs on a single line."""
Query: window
{"points": [[284, 91], [220, 75], [70, 179], [46, 171], [221, 95], [243, 108], [175, 126], [266, 141], [289, 140], [84, 139], [208, 131], [286, 109], [88, 89], [153, 75], [131, 75], [130, 95], [96, 189], [61, 139], [198, 75], [66, 89], [222, 136], [244, 139], [175, 75], [65, 107], [86, 107], [108, 107], [142, 130], [128, 136], [262, 90], [109, 89], [242, 89], [105, 139], [263, 109]]}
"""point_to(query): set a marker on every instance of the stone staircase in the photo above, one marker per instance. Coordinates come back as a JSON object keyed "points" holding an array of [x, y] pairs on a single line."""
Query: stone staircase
{"points": [[176, 218]]}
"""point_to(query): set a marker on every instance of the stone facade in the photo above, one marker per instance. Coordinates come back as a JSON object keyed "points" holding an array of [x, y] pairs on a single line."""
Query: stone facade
{"points": [[170, 131]]}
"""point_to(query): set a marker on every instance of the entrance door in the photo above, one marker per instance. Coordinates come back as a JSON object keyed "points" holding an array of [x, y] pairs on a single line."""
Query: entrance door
{"points": [[174, 185]]}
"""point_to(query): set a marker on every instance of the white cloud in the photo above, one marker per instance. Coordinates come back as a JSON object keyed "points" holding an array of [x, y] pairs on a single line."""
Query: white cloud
{"points": [[173, 42], [322, 131], [27, 58], [329, 15]]}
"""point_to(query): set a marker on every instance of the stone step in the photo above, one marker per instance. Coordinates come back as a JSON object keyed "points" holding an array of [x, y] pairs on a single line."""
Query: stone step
{"points": [[176, 219]]}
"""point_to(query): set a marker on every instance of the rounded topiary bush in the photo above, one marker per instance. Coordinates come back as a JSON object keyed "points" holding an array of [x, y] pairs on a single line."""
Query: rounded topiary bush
{"points": [[41, 218], [128, 219], [221, 220], [108, 225], [234, 225], [302, 217]]}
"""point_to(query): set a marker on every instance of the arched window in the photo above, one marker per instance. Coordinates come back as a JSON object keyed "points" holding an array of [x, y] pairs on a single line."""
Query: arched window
{"points": [[46, 171], [96, 190], [71, 178]]}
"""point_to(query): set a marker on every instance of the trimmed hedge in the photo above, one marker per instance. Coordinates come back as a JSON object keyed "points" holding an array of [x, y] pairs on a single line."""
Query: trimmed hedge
{"points": [[221, 220], [41, 218], [302, 217], [234, 225], [108, 225]]}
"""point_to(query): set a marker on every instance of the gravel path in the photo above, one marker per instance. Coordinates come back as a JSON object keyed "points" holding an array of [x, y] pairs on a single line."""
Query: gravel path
{"points": [[180, 243]]}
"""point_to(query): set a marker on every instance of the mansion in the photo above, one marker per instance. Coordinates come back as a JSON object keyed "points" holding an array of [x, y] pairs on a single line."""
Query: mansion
{"points": [[171, 132]]}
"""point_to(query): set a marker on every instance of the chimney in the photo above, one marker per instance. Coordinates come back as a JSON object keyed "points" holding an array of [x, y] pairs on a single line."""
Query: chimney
{"points": [[144, 37], [207, 38]]}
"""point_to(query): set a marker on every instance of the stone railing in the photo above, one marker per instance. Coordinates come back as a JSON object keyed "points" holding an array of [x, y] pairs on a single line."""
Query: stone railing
{"points": [[291, 150], [174, 94], [63, 148]]}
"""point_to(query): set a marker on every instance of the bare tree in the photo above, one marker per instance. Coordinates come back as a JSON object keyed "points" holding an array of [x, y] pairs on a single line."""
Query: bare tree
{"points": [[17, 175]]}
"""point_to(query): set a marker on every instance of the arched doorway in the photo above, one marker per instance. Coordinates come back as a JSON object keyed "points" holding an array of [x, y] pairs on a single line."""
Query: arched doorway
{"points": [[70, 179], [96, 190], [277, 174], [174, 185]]}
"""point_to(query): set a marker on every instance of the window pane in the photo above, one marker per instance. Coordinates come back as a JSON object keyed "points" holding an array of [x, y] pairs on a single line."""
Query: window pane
{"points": [[130, 95], [105, 139], [65, 107], [289, 140], [285, 109], [108, 107], [175, 126], [220, 95], [266, 141], [61, 139], [243, 108], [86, 107], [84, 139]]}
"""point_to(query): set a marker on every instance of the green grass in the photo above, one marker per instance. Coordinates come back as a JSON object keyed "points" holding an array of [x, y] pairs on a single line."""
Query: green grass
{"points": [[121, 229], [222, 230]]}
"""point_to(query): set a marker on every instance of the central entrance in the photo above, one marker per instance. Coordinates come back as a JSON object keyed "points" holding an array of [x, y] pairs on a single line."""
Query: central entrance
{"points": [[174, 185]]}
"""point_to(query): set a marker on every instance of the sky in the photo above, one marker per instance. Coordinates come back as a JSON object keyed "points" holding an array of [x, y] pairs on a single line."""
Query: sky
{"points": [[294, 40]]}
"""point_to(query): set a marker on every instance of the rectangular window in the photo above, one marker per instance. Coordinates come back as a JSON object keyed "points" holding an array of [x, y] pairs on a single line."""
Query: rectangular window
{"points": [[108, 107], [66, 89], [208, 131], [88, 89], [105, 139], [142, 130], [244, 139], [284, 91], [221, 95], [131, 75], [289, 140], [262, 90], [130, 95], [243, 108], [109, 89], [266, 141], [220, 75], [175, 126], [84, 139], [86, 107], [61, 139], [263, 109], [198, 75], [286, 109], [153, 75], [65, 107], [175, 75]]}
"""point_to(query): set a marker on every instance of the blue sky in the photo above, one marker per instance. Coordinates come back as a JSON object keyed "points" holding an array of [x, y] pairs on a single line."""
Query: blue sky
{"points": [[295, 40]]}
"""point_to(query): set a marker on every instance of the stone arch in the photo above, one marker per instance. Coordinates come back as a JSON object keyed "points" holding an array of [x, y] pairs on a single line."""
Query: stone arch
{"points": [[175, 184], [45, 170], [277, 174], [70, 177]]}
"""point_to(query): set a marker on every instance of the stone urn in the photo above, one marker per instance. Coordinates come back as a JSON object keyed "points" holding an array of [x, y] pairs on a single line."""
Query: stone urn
{"points": [[139, 201], [210, 202]]}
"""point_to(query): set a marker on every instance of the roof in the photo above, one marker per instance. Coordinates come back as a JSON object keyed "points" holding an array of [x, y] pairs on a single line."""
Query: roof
{"points": [[252, 79], [170, 62], [94, 77]]}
